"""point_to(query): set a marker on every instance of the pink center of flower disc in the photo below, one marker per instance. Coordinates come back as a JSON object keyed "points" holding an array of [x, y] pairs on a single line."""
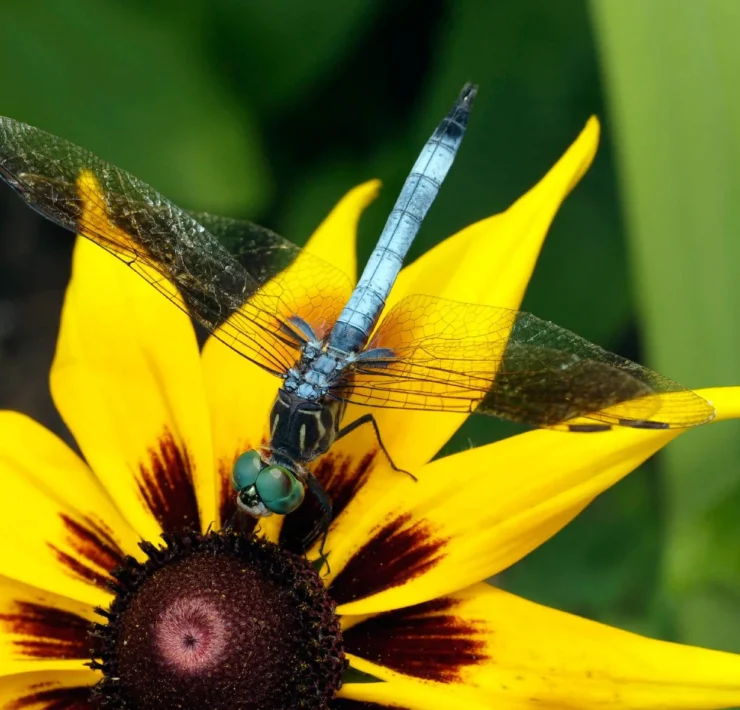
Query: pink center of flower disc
{"points": [[191, 635], [218, 621]]}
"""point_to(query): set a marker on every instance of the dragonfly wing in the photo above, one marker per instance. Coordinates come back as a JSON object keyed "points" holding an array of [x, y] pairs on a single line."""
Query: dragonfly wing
{"points": [[434, 354], [305, 285], [167, 246]]}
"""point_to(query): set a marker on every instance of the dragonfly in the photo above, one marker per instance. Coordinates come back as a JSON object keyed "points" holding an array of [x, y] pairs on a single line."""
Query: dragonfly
{"points": [[426, 353]]}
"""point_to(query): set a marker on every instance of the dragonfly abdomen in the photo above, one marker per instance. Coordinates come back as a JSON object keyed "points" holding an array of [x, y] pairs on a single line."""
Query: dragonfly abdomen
{"points": [[361, 313]]}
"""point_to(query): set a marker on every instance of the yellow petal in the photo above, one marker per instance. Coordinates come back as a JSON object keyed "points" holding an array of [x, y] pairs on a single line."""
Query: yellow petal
{"points": [[399, 691], [49, 689], [40, 630], [473, 514], [240, 395], [514, 652], [488, 263], [60, 531], [127, 381], [335, 239]]}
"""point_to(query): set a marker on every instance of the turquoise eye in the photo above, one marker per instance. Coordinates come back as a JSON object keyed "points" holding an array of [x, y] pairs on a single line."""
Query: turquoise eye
{"points": [[246, 469], [279, 489]]}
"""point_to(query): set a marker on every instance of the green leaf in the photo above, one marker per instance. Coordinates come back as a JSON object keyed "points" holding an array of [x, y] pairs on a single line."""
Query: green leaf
{"points": [[135, 89], [534, 64], [287, 46], [671, 70]]}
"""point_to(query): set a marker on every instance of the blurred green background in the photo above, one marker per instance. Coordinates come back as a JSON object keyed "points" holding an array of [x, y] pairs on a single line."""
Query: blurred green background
{"points": [[273, 110]]}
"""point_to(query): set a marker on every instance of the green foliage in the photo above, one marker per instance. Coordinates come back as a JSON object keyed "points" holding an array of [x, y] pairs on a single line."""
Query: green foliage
{"points": [[671, 69], [121, 82]]}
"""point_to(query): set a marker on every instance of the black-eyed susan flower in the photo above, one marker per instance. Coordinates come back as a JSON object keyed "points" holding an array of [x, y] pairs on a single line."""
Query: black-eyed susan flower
{"points": [[224, 620]]}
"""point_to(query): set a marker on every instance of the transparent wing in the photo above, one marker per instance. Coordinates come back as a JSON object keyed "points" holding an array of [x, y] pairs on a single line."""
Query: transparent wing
{"points": [[236, 290], [307, 286], [434, 354]]}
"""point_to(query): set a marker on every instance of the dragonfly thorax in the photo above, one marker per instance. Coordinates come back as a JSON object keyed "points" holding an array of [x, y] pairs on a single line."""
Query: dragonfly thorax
{"points": [[316, 372], [302, 429]]}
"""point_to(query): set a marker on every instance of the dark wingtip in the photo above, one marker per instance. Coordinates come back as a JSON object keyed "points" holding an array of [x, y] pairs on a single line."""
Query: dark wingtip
{"points": [[643, 424], [588, 428]]}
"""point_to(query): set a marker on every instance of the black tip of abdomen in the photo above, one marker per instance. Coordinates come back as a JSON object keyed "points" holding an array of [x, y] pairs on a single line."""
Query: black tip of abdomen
{"points": [[468, 94], [455, 122]]}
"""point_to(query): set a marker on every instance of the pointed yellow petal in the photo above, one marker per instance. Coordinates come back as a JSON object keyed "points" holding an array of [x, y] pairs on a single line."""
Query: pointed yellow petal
{"points": [[127, 381], [488, 263], [241, 395], [473, 514], [60, 531], [40, 630], [335, 239], [508, 651], [47, 689], [398, 691]]}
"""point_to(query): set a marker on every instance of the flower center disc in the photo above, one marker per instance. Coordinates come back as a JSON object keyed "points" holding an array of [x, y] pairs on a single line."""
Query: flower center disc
{"points": [[219, 621]]}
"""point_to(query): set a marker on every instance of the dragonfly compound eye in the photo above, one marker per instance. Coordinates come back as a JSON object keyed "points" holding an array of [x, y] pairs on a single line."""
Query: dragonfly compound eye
{"points": [[281, 492], [246, 469]]}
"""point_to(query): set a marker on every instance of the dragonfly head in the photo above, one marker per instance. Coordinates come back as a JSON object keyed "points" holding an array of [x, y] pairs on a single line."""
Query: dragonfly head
{"points": [[265, 488]]}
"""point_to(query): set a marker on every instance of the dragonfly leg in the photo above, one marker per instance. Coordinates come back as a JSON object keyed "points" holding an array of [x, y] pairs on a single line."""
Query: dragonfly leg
{"points": [[230, 524], [238, 523], [370, 419], [322, 525], [323, 558]]}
